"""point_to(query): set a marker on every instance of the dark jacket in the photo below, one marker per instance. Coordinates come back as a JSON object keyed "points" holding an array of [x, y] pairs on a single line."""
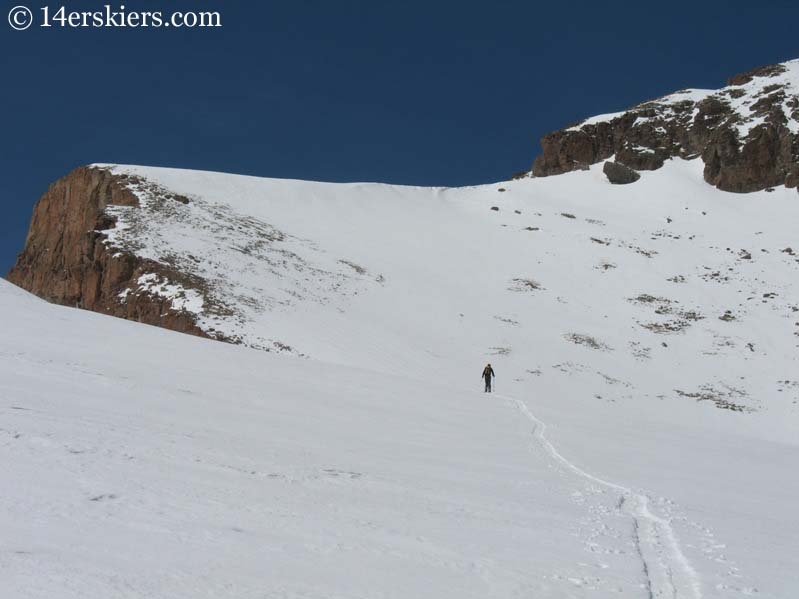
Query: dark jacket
{"points": [[488, 372]]}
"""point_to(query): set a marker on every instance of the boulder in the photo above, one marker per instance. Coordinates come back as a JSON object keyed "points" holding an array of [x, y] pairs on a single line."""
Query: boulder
{"points": [[620, 174]]}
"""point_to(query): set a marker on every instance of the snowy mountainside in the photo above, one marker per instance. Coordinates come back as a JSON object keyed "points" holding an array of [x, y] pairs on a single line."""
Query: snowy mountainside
{"points": [[644, 339], [143, 462], [388, 277]]}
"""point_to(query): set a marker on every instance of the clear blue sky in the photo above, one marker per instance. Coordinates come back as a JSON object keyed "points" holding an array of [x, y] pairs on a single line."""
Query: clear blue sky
{"points": [[428, 93]]}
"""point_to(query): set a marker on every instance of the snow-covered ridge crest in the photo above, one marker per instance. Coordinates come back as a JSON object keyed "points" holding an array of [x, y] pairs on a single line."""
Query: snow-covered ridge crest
{"points": [[741, 96], [664, 105], [746, 133]]}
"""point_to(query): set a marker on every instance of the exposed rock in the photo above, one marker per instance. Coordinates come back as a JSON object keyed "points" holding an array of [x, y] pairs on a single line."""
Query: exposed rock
{"points": [[619, 174], [66, 262], [792, 180], [766, 71], [747, 134]]}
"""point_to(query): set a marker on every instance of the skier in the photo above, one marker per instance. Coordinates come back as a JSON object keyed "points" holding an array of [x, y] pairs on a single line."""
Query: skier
{"points": [[488, 372]]}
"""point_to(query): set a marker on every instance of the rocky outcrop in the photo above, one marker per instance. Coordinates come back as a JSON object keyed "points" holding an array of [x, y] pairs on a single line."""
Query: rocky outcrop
{"points": [[619, 174], [792, 180], [747, 134], [66, 259]]}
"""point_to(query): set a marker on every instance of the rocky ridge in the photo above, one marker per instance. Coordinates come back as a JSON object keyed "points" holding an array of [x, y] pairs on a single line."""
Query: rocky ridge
{"points": [[747, 133]]}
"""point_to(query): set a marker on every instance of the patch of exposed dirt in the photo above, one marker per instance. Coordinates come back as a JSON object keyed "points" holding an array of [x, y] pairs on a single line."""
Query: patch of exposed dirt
{"points": [[356, 267], [612, 380], [525, 284], [664, 328], [605, 266], [639, 351], [587, 341], [639, 250], [681, 319], [724, 397], [506, 320], [500, 351], [569, 367]]}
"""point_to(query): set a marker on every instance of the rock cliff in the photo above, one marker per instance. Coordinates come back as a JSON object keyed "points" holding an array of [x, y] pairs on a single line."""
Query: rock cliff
{"points": [[66, 261]]}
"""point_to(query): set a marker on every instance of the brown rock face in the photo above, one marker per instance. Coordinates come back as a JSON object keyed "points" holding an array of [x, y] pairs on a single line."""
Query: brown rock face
{"points": [[66, 262], [792, 180], [747, 134]]}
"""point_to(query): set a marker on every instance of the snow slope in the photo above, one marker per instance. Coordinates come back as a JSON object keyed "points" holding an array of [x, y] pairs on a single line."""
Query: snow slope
{"points": [[642, 444], [140, 462]]}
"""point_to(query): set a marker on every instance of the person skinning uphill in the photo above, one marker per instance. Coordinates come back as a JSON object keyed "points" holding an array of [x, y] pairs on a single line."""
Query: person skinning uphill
{"points": [[488, 372]]}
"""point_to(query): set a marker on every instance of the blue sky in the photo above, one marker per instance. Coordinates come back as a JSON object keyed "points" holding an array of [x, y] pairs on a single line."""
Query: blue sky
{"points": [[427, 93]]}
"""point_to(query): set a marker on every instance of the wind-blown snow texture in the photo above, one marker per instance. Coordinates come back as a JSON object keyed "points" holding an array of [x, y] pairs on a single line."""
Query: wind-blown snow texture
{"points": [[642, 444]]}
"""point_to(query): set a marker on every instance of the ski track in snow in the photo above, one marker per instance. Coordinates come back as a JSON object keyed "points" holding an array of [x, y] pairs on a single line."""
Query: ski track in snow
{"points": [[667, 572]]}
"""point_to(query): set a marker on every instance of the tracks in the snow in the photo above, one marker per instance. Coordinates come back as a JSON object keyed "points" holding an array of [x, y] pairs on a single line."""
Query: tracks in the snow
{"points": [[667, 572]]}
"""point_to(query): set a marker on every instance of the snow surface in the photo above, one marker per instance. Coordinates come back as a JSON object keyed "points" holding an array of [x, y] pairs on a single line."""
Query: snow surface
{"points": [[639, 445]]}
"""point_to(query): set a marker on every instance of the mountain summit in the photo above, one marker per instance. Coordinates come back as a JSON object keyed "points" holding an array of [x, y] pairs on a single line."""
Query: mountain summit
{"points": [[747, 133]]}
